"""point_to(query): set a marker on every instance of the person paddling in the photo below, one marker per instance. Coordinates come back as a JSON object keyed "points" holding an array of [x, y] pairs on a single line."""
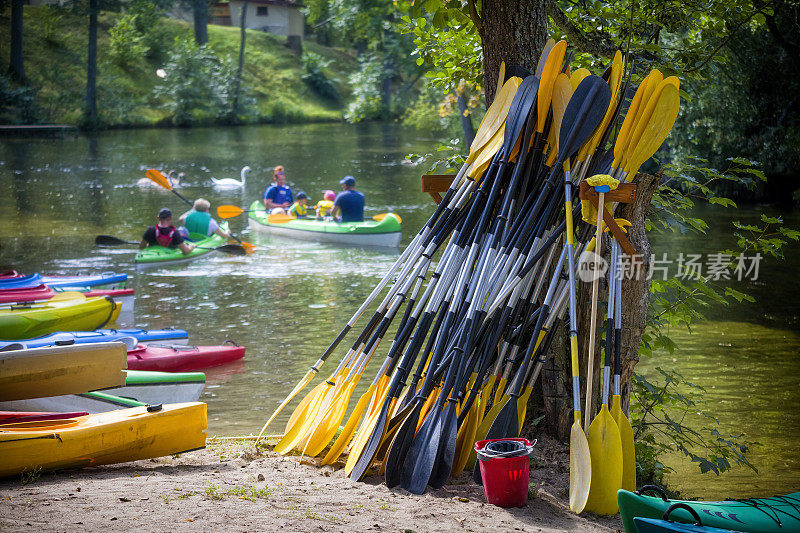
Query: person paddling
{"points": [[349, 202], [278, 197], [199, 220], [165, 234]]}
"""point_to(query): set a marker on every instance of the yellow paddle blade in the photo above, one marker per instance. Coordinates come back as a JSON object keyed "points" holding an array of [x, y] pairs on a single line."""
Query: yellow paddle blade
{"points": [[674, 80], [158, 178], [249, 249], [552, 68], [495, 116], [295, 433], [229, 211], [313, 423], [605, 451], [651, 135], [628, 449], [628, 125], [297, 388], [381, 216], [349, 428], [333, 416], [67, 296], [562, 92], [548, 47], [426, 406], [484, 159], [465, 440], [501, 75], [278, 218], [576, 77], [580, 466], [302, 407], [380, 392], [500, 391], [362, 437]]}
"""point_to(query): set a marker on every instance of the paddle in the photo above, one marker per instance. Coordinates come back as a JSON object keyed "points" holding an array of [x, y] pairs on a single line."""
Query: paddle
{"points": [[160, 179], [108, 240]]}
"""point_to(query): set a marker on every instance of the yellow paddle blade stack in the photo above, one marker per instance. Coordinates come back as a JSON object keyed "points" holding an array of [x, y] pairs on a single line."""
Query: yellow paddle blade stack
{"points": [[626, 440], [605, 450]]}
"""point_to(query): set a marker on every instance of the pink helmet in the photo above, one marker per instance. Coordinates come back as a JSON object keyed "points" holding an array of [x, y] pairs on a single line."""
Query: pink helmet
{"points": [[330, 195]]}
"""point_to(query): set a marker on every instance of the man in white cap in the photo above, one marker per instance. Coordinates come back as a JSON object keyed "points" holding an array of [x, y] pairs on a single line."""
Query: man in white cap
{"points": [[349, 203]]}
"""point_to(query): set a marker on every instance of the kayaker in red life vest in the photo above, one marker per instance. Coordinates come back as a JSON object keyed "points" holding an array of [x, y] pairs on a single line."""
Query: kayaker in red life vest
{"points": [[165, 234]]}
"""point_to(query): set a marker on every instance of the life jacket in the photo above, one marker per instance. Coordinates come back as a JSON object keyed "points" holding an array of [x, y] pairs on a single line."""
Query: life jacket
{"points": [[164, 240], [198, 222]]}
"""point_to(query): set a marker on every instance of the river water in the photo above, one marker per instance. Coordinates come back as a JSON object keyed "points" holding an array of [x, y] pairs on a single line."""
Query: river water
{"points": [[287, 301]]}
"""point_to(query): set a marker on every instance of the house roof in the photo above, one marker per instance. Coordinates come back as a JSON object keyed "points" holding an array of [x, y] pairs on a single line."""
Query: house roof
{"points": [[284, 3]]}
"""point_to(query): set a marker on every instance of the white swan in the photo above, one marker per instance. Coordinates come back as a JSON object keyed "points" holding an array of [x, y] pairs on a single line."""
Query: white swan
{"points": [[230, 183], [174, 181]]}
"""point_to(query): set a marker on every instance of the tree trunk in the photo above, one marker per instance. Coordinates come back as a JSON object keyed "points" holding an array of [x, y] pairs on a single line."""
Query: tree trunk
{"points": [[200, 12], [466, 122], [91, 67], [238, 82], [16, 64], [556, 400], [513, 31]]}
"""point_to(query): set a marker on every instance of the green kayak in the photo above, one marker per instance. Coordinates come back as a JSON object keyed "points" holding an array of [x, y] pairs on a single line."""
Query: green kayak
{"points": [[385, 232], [763, 515], [158, 255]]}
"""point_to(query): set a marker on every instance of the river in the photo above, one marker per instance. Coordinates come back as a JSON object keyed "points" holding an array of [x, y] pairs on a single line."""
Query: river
{"points": [[287, 301]]}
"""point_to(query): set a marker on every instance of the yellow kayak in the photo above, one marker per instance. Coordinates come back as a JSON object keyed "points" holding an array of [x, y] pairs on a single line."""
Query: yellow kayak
{"points": [[68, 311], [57, 370], [105, 438]]}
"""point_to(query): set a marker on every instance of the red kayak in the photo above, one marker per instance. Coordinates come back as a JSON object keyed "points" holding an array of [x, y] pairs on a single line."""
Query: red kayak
{"points": [[181, 358], [14, 417], [43, 292]]}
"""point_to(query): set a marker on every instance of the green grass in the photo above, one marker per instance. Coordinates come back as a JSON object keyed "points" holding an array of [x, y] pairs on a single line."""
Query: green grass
{"points": [[55, 44]]}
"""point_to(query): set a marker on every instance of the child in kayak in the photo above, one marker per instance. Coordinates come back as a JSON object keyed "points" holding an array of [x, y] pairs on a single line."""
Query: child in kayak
{"points": [[325, 205], [299, 208], [199, 220], [165, 234]]}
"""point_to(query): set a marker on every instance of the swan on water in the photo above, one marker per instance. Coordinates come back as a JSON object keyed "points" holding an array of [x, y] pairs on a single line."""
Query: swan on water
{"points": [[173, 180], [230, 183]]}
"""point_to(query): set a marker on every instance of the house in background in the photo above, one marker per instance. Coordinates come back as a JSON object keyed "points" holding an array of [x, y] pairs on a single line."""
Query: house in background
{"points": [[279, 17]]}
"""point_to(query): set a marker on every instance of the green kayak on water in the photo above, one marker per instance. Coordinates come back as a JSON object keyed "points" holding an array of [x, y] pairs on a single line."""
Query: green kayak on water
{"points": [[159, 255], [385, 232], [763, 515]]}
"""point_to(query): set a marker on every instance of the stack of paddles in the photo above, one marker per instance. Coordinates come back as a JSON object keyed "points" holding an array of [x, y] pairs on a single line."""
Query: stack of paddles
{"points": [[474, 328]]}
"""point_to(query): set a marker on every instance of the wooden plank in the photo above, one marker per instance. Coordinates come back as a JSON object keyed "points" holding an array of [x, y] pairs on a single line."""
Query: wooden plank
{"points": [[434, 184], [625, 193]]}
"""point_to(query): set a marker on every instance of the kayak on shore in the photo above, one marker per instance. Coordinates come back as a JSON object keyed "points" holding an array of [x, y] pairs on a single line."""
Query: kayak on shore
{"points": [[141, 388], [763, 515], [64, 312], [160, 255], [105, 438], [174, 336], [385, 232], [181, 358]]}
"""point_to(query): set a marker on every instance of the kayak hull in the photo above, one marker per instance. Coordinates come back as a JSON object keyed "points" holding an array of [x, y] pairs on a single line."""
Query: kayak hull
{"points": [[174, 336], [385, 233], [651, 525], [58, 370], [733, 515], [180, 358], [34, 320], [105, 438], [159, 255], [150, 388]]}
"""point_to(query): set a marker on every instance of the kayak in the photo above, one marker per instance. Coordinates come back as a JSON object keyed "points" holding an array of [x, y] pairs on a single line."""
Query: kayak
{"points": [[57, 370], [141, 388], [764, 515], [63, 338], [7, 417], [63, 312], [159, 255], [651, 525], [366, 233], [110, 280], [181, 358], [105, 438], [43, 292]]}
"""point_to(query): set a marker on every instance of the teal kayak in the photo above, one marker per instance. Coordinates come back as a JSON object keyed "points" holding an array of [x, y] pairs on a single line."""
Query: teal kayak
{"points": [[385, 232], [763, 515], [159, 255]]}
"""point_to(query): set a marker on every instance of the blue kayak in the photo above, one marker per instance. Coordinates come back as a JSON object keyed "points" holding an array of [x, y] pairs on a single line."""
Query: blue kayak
{"points": [[22, 282], [97, 280], [175, 336], [652, 525]]}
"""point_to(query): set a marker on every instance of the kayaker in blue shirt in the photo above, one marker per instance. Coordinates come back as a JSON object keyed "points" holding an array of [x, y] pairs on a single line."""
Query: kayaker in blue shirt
{"points": [[278, 197], [349, 203]]}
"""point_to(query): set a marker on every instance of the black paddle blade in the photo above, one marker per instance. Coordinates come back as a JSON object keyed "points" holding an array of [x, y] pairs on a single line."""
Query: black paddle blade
{"points": [[233, 249], [418, 466], [505, 425], [518, 111], [583, 114], [447, 448], [399, 449], [108, 240]]}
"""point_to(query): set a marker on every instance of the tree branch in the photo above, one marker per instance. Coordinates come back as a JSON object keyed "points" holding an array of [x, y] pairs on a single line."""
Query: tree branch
{"points": [[595, 46], [476, 19], [724, 42]]}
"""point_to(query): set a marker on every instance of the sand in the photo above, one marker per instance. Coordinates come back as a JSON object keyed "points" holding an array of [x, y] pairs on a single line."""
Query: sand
{"points": [[228, 487]]}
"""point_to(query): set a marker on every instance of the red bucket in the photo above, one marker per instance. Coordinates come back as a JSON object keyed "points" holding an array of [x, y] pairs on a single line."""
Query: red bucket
{"points": [[504, 469]]}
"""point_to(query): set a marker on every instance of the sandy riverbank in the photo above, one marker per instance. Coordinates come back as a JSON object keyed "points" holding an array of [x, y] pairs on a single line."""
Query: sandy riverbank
{"points": [[227, 487]]}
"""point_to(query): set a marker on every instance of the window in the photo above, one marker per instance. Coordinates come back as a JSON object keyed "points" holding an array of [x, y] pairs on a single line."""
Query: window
{"points": [[261, 11]]}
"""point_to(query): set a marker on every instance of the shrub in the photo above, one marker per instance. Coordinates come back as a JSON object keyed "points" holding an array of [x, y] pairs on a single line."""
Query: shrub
{"points": [[17, 104], [366, 85], [126, 42], [316, 75]]}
